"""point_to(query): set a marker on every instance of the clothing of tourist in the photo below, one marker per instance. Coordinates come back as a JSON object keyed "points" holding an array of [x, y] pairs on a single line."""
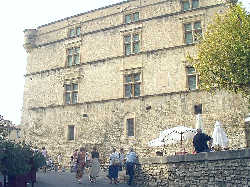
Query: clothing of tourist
{"points": [[131, 159], [95, 165], [113, 166], [122, 159], [200, 142], [80, 164]]}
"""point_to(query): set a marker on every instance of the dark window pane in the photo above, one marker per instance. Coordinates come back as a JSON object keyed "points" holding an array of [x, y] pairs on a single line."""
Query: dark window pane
{"points": [[137, 89], [128, 90], [188, 27], [188, 38], [192, 82], [68, 87], [72, 32], [76, 59], [186, 5], [137, 77], [127, 39], [195, 3], [136, 47], [130, 127], [128, 18], [75, 87], [136, 16], [67, 98], [78, 31], [71, 133], [77, 50], [74, 97], [70, 51], [197, 25], [127, 49], [190, 70], [70, 60], [128, 78], [136, 37]]}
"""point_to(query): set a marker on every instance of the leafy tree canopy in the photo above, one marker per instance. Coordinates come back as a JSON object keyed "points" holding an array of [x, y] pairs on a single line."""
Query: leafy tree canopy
{"points": [[223, 55]]}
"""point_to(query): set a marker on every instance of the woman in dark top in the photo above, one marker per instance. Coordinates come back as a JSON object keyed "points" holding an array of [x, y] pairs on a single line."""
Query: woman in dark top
{"points": [[95, 166]]}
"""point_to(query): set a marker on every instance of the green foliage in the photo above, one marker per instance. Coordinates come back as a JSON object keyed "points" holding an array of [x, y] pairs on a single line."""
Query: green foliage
{"points": [[38, 160], [223, 56], [18, 158]]}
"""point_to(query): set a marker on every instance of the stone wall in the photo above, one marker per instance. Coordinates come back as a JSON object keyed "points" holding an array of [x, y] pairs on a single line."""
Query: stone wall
{"points": [[214, 169]]}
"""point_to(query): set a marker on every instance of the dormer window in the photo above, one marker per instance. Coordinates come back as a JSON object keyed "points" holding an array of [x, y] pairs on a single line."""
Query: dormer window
{"points": [[133, 17], [73, 32], [189, 4]]}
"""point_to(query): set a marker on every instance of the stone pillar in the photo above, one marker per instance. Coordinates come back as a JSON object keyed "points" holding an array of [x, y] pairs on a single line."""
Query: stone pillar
{"points": [[247, 130], [29, 39]]}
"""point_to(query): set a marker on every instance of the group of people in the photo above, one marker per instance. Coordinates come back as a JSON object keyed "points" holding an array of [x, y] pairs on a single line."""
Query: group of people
{"points": [[82, 161], [118, 162]]}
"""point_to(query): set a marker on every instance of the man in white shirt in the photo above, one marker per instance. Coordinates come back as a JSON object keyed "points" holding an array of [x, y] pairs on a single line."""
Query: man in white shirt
{"points": [[131, 159]]}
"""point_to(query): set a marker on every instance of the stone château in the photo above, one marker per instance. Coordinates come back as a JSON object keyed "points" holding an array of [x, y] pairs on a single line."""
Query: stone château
{"points": [[118, 75]]}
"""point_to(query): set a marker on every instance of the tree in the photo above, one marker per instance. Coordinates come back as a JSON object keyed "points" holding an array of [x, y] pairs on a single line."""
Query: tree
{"points": [[223, 54]]}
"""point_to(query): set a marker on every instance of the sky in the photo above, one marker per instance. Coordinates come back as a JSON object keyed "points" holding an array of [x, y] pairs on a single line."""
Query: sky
{"points": [[15, 17]]}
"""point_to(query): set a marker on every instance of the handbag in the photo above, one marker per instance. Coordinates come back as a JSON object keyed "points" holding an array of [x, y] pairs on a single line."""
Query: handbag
{"points": [[116, 162]]}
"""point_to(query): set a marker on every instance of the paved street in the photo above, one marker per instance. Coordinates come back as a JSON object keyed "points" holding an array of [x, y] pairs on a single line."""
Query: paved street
{"points": [[66, 179]]}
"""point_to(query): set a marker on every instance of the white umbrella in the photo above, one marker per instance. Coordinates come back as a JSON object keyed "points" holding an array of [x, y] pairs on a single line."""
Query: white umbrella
{"points": [[219, 136], [177, 134], [199, 122]]}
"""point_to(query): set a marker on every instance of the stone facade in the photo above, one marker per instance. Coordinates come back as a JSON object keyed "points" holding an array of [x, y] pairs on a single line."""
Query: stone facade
{"points": [[215, 169], [100, 115]]}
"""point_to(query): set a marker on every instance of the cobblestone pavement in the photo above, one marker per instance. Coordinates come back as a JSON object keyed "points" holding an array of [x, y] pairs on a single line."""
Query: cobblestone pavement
{"points": [[67, 179]]}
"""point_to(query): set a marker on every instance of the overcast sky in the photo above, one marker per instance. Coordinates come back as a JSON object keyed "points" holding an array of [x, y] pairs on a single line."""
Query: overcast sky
{"points": [[17, 15]]}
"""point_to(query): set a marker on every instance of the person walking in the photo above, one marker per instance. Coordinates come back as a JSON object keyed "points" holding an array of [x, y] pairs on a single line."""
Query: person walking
{"points": [[130, 165], [95, 165], [113, 166], [59, 161], [80, 164]]}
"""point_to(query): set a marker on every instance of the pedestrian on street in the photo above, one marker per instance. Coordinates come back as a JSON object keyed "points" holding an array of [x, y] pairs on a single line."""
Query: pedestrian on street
{"points": [[131, 159], [113, 166], [95, 165], [59, 161], [80, 164]]}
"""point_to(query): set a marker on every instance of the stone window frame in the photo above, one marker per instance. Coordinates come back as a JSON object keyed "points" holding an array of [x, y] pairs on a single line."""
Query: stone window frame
{"points": [[74, 32], [191, 4], [133, 82], [133, 17], [69, 137], [192, 74], [190, 28], [76, 51], [131, 43], [129, 117], [71, 91]]}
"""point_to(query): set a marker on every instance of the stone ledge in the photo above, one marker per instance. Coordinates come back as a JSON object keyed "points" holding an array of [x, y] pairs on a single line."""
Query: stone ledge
{"points": [[211, 156]]}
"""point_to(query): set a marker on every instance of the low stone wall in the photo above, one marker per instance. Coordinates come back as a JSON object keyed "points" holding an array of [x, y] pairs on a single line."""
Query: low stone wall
{"points": [[215, 169]]}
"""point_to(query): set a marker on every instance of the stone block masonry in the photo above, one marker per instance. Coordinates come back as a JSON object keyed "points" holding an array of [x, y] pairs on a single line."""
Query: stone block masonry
{"points": [[214, 169]]}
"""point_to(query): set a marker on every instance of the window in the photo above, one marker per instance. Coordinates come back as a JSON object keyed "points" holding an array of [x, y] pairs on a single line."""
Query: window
{"points": [[132, 85], [73, 56], [131, 44], [190, 4], [76, 31], [129, 18], [71, 93], [71, 132], [192, 32], [192, 78], [130, 127], [198, 109]]}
